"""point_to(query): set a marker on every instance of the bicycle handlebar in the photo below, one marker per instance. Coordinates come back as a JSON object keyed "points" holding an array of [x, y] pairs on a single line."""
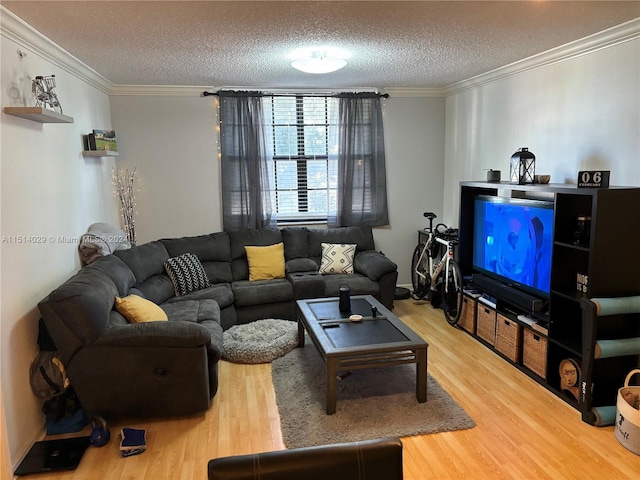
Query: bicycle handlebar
{"points": [[450, 234], [445, 232]]}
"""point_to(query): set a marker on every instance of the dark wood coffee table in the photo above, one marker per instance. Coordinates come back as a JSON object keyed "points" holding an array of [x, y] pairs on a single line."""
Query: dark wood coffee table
{"points": [[346, 345]]}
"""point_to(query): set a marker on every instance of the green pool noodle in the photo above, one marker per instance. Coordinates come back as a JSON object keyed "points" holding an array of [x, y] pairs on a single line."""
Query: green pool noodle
{"points": [[617, 348], [604, 415], [616, 306]]}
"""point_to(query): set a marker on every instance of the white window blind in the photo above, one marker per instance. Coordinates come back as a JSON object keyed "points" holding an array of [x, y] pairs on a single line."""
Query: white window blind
{"points": [[304, 147]]}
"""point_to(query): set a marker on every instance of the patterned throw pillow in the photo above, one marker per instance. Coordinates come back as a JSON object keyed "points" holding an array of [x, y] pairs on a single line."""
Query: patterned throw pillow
{"points": [[337, 258], [187, 274]]}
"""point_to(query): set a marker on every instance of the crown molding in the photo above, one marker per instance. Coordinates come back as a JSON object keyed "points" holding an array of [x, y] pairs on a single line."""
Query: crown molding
{"points": [[159, 90], [15, 29], [415, 92], [607, 38]]}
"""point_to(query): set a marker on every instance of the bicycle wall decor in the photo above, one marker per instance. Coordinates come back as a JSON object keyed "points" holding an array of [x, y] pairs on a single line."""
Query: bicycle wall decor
{"points": [[43, 92]]}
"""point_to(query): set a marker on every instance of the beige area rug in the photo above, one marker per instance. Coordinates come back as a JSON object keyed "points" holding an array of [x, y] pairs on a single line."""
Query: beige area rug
{"points": [[372, 403]]}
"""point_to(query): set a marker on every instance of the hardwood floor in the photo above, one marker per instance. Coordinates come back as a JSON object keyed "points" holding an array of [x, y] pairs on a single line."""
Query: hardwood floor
{"points": [[523, 431]]}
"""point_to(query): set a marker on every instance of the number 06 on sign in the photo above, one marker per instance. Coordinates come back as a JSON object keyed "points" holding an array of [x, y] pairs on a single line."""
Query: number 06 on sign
{"points": [[593, 178]]}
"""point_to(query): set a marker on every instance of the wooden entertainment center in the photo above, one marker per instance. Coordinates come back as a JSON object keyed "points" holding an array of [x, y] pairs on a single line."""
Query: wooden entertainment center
{"points": [[596, 233]]}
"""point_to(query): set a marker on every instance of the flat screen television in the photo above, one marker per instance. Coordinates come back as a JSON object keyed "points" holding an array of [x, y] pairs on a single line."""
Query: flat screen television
{"points": [[512, 242]]}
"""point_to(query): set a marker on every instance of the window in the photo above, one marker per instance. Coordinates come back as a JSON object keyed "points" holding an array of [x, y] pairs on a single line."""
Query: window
{"points": [[304, 149], [288, 157]]}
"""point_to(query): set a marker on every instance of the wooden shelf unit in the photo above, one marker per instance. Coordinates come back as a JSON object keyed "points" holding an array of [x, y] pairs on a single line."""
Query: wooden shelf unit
{"points": [[38, 114], [609, 261]]}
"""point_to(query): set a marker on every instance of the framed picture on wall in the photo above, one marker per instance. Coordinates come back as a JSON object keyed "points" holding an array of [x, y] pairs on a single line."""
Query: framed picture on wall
{"points": [[106, 140]]}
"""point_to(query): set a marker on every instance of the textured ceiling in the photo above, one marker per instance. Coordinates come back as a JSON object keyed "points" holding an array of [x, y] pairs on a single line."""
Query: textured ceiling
{"points": [[423, 44]]}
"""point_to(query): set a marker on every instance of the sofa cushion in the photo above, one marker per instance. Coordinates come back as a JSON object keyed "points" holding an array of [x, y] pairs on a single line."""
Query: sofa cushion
{"points": [[144, 260], [157, 288], [240, 238], [265, 263], [117, 270], [220, 292], [358, 284], [361, 236], [214, 252], [337, 258], [192, 311], [301, 265], [137, 309], [247, 293], [208, 248], [186, 273], [296, 242]]}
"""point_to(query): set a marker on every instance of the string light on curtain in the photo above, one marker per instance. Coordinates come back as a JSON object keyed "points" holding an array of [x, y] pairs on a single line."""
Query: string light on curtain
{"points": [[216, 103], [319, 60]]}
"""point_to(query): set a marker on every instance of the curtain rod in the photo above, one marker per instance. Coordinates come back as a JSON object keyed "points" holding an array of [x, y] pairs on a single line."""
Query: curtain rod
{"points": [[215, 94]]}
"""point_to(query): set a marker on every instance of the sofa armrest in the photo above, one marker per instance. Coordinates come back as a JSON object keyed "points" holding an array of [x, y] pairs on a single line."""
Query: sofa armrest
{"points": [[373, 264], [156, 334]]}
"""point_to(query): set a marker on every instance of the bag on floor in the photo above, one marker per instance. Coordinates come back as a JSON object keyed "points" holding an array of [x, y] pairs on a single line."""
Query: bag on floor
{"points": [[627, 427], [47, 375]]}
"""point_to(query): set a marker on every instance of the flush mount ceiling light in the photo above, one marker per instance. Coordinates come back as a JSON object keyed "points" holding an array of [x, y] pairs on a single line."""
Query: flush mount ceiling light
{"points": [[318, 61]]}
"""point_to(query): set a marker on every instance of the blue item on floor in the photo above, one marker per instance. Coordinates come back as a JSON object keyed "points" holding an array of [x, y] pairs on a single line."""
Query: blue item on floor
{"points": [[70, 424], [134, 441]]}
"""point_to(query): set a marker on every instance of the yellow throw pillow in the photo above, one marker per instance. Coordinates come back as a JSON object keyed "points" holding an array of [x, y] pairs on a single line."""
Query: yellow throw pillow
{"points": [[137, 309], [265, 263]]}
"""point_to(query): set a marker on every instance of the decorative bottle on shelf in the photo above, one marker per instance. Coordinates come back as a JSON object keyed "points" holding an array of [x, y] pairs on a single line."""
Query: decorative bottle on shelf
{"points": [[523, 166]]}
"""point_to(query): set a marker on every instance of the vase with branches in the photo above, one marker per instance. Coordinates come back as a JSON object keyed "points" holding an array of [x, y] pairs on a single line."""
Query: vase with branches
{"points": [[124, 188]]}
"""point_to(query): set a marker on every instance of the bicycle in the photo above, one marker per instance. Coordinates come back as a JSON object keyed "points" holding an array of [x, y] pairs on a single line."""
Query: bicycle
{"points": [[43, 91], [433, 267]]}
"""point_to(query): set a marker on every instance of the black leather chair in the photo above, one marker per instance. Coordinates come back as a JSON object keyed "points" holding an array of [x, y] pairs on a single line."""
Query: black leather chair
{"points": [[379, 459]]}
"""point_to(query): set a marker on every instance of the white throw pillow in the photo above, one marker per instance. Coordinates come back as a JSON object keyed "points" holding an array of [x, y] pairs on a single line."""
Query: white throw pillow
{"points": [[337, 258]]}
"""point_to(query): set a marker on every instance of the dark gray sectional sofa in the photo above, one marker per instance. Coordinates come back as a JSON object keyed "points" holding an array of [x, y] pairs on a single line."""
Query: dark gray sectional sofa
{"points": [[153, 369]]}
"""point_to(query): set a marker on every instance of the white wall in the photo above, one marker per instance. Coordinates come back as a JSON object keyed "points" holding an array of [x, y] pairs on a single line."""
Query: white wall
{"points": [[172, 143], [172, 140], [578, 114], [49, 193], [414, 143]]}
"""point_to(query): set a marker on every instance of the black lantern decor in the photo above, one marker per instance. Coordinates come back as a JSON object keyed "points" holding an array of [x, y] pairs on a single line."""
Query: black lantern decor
{"points": [[523, 166]]}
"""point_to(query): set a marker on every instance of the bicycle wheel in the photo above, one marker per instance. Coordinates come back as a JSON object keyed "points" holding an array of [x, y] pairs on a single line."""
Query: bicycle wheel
{"points": [[452, 294], [55, 103], [38, 94], [420, 282]]}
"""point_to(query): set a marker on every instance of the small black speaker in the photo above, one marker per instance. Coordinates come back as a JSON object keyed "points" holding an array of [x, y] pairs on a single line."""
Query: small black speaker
{"points": [[345, 298]]}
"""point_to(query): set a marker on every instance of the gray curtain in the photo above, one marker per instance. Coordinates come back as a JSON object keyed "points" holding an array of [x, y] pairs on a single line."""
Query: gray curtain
{"points": [[362, 180], [245, 154]]}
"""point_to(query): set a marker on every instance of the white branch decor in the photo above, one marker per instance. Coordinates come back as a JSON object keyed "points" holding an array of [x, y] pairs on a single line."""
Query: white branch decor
{"points": [[125, 190]]}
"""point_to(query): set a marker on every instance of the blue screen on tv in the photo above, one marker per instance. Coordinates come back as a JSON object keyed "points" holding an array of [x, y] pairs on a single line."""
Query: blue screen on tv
{"points": [[512, 241]]}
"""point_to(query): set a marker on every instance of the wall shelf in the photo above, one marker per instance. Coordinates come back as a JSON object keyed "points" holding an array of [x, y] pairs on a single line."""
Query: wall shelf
{"points": [[99, 153], [38, 114]]}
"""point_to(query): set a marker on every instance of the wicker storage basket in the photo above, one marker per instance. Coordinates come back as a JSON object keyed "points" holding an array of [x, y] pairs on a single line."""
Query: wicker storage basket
{"points": [[486, 324], [508, 337], [534, 352], [627, 426], [468, 315]]}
